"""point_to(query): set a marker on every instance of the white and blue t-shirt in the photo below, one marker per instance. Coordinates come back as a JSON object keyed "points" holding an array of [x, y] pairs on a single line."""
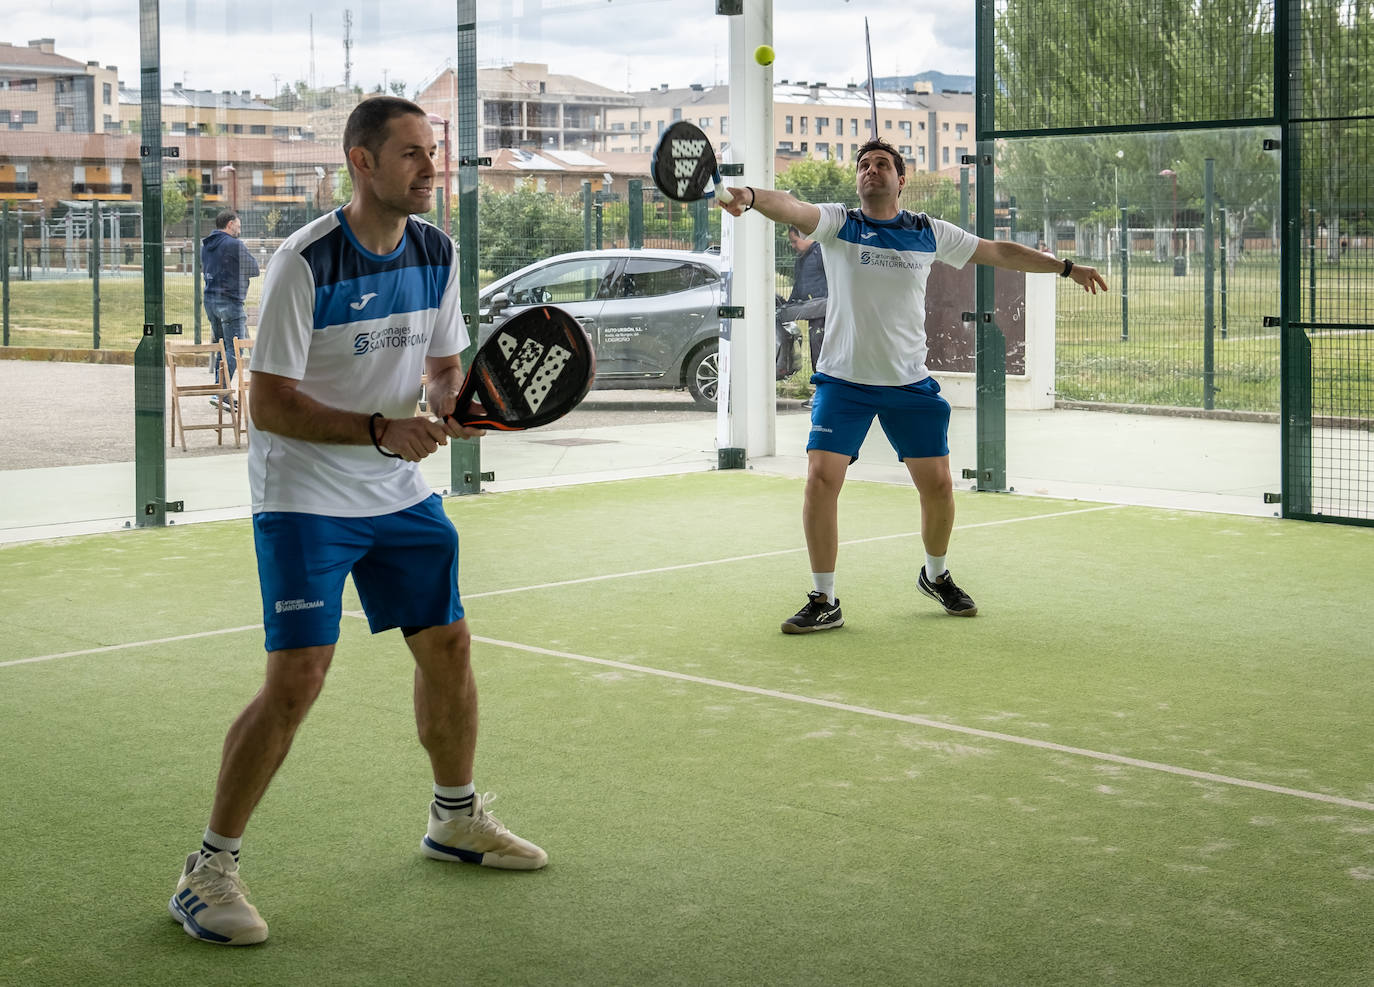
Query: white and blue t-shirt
{"points": [[354, 328], [875, 320]]}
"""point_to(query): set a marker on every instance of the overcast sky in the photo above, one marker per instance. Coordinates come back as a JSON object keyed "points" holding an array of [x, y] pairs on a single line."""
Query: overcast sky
{"points": [[620, 44]]}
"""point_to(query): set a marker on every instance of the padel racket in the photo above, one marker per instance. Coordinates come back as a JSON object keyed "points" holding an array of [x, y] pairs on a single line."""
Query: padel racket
{"points": [[534, 369], [684, 165]]}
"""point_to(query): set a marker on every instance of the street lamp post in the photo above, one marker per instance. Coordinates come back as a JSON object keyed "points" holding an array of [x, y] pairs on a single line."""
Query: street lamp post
{"points": [[1173, 236], [448, 157], [233, 186]]}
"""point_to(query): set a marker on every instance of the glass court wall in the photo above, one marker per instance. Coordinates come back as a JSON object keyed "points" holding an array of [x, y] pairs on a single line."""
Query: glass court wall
{"points": [[1167, 389]]}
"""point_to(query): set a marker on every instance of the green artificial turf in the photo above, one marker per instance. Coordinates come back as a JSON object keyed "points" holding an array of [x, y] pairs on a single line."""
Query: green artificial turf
{"points": [[723, 803]]}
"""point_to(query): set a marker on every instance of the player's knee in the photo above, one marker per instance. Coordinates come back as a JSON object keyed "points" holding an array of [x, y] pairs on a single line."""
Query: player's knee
{"points": [[822, 480], [446, 646], [294, 685], [938, 485]]}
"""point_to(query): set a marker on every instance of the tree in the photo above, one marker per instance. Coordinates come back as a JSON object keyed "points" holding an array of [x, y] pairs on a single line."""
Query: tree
{"points": [[813, 181], [519, 227], [932, 194], [343, 188], [819, 181], [173, 204]]}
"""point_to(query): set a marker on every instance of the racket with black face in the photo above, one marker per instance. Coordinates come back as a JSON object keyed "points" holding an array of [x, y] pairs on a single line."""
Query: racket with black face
{"points": [[533, 370], [684, 165]]}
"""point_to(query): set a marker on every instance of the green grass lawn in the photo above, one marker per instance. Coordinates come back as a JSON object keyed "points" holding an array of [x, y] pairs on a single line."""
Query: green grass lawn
{"points": [[1161, 362], [59, 313]]}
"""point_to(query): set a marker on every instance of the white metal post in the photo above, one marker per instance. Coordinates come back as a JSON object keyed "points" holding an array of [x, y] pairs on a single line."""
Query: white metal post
{"points": [[748, 419]]}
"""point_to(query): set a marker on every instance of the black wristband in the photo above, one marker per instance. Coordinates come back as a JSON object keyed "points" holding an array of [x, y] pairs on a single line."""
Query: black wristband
{"points": [[372, 434], [1068, 266], [751, 198]]}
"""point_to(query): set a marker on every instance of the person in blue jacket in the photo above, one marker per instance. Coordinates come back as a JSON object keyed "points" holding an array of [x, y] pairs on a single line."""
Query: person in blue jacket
{"points": [[227, 266]]}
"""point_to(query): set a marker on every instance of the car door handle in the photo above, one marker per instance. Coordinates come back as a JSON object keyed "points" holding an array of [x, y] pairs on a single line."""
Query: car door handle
{"points": [[586, 321]]}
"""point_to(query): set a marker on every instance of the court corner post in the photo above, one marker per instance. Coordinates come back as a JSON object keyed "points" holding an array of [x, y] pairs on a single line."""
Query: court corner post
{"points": [[465, 455], [990, 345], [748, 405]]}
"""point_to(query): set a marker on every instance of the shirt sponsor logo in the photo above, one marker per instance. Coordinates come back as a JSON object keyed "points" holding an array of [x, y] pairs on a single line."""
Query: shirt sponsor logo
{"points": [[390, 338], [286, 606], [895, 261]]}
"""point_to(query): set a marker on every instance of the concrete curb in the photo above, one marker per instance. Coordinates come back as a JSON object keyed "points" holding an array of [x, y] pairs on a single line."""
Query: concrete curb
{"points": [[54, 355]]}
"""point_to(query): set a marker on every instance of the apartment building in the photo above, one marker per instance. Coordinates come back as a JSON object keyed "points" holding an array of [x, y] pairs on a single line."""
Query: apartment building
{"points": [[524, 106], [250, 175], [73, 136], [206, 113], [42, 90], [811, 120]]}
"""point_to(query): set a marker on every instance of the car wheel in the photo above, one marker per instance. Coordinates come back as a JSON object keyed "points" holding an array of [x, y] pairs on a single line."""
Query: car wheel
{"points": [[703, 375]]}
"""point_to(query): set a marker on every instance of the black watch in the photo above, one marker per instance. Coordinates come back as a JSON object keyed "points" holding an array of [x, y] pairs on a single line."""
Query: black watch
{"points": [[1068, 266]]}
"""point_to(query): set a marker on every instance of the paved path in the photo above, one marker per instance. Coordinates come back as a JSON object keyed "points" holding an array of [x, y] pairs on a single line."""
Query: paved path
{"points": [[70, 414]]}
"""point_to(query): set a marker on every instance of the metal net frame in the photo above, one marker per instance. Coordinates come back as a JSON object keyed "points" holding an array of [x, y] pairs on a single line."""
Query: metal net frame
{"points": [[1155, 137]]}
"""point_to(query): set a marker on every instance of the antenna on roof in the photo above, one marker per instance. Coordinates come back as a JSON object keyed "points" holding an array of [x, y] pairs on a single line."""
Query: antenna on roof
{"points": [[348, 47]]}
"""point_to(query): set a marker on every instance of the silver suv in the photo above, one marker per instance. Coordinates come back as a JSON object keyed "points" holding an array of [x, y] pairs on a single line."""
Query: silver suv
{"points": [[651, 315]]}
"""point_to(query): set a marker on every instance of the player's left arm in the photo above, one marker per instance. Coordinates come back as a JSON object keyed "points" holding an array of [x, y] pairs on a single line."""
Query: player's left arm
{"points": [[1018, 257]]}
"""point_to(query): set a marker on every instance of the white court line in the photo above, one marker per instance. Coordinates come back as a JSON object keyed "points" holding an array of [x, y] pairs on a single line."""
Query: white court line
{"points": [[939, 725], [130, 644], [784, 551], [566, 582], [792, 697]]}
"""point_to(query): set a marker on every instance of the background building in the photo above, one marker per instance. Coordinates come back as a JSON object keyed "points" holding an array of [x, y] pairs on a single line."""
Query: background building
{"points": [[42, 90], [524, 106], [205, 113], [73, 133], [810, 120]]}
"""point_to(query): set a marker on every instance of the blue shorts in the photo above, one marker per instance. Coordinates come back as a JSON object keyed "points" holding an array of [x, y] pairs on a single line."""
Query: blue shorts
{"points": [[404, 566], [914, 417]]}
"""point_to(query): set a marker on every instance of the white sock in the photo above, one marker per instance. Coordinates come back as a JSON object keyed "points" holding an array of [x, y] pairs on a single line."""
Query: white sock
{"points": [[212, 843], [935, 566], [824, 582], [453, 800]]}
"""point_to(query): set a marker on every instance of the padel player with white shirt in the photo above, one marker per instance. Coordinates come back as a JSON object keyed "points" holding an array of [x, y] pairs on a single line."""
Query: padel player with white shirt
{"points": [[356, 306], [873, 365]]}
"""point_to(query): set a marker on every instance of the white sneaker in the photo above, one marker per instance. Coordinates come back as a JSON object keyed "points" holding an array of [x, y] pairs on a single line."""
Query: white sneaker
{"points": [[211, 902], [479, 839]]}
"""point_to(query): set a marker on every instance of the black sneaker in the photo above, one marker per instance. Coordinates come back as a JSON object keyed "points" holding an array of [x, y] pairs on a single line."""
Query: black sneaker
{"points": [[819, 614], [956, 602]]}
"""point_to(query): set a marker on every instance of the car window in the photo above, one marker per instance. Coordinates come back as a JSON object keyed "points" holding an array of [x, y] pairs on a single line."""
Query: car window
{"points": [[646, 277], [566, 281]]}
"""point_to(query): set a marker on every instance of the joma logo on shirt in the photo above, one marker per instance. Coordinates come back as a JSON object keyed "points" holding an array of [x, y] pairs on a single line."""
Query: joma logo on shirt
{"points": [[391, 338]]}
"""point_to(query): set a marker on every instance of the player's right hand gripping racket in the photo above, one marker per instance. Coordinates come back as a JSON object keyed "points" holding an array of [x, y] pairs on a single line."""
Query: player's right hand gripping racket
{"points": [[533, 370], [684, 165]]}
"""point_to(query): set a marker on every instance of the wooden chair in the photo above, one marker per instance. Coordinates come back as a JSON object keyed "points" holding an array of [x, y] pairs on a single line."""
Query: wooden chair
{"points": [[243, 355], [191, 359]]}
